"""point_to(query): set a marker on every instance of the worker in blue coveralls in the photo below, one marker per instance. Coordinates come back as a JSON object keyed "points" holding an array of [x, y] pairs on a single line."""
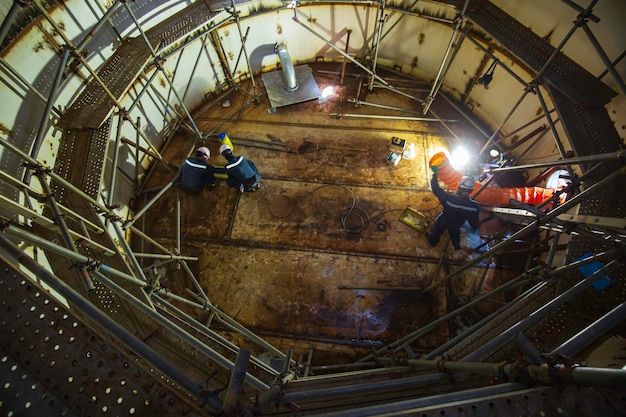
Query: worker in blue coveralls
{"points": [[457, 209], [242, 173], [196, 172]]}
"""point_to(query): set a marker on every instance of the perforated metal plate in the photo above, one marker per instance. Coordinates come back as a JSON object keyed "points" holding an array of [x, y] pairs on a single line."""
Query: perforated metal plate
{"points": [[51, 364]]}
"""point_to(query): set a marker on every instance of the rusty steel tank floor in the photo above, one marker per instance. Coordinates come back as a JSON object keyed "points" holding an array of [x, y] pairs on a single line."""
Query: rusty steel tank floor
{"points": [[316, 259]]}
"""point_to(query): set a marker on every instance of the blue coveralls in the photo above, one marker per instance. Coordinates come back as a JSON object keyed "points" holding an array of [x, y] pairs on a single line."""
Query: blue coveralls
{"points": [[195, 174], [456, 211], [242, 172]]}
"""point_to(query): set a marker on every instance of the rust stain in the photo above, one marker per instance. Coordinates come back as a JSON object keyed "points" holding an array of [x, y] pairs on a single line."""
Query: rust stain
{"points": [[5, 130]]}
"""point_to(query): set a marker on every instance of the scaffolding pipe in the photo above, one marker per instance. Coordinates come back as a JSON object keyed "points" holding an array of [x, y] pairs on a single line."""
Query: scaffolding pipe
{"points": [[490, 54], [144, 89], [574, 201], [232, 398], [170, 308], [166, 257], [378, 116], [27, 84], [174, 329], [115, 330], [365, 388], [543, 373], [408, 339], [381, 20], [345, 55], [67, 253], [541, 312], [45, 117], [617, 156], [445, 64], [59, 31], [592, 333], [59, 220], [226, 320], [8, 19], [116, 147], [405, 407], [159, 65], [555, 133], [512, 284], [145, 208], [243, 46], [110, 11]]}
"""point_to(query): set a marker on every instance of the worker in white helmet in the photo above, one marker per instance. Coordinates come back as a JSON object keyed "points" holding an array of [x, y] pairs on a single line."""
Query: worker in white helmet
{"points": [[196, 172], [457, 209], [242, 172]]}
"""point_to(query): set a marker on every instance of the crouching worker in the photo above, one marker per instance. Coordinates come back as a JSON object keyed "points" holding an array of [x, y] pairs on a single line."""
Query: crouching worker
{"points": [[196, 172], [242, 173], [457, 209]]}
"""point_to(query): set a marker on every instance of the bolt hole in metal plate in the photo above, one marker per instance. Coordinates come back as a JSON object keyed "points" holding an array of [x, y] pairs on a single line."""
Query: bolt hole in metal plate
{"points": [[52, 364]]}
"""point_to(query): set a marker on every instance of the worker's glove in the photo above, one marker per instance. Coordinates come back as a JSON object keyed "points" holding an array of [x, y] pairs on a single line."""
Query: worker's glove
{"points": [[434, 168], [241, 188]]}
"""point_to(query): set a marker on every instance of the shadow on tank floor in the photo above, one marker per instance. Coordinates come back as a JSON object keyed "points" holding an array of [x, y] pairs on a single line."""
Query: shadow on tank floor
{"points": [[317, 258]]}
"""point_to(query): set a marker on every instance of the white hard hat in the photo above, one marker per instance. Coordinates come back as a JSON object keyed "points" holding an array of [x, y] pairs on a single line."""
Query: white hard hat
{"points": [[466, 183], [225, 148], [204, 151]]}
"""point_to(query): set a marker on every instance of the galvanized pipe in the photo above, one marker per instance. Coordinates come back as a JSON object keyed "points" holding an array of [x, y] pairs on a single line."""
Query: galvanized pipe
{"points": [[409, 407], [61, 32], [288, 71], [445, 64], [225, 319], [27, 84], [592, 333], [380, 21], [540, 313], [116, 331], [106, 17], [617, 156], [408, 339], [160, 67], [8, 19], [191, 321], [116, 147], [67, 253], [59, 220], [365, 388], [232, 398], [534, 225], [243, 46], [545, 374], [145, 208], [490, 54], [174, 329], [378, 116], [165, 256], [474, 328], [45, 117], [555, 133], [514, 283], [345, 55]]}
